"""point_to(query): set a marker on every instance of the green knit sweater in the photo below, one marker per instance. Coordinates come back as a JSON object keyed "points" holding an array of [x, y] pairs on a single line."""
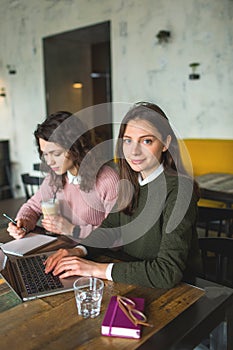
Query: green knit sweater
{"points": [[161, 235]]}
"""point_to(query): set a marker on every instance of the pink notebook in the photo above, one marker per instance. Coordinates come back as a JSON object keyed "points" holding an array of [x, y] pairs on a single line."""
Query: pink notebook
{"points": [[117, 324]]}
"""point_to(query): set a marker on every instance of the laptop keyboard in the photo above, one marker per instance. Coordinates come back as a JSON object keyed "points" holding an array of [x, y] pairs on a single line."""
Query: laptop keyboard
{"points": [[35, 279]]}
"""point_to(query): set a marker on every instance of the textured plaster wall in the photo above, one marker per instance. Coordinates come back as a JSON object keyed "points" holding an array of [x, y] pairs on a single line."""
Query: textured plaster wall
{"points": [[142, 69]]}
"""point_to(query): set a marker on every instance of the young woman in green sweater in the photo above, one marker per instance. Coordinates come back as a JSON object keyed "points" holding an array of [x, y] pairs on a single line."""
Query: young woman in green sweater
{"points": [[154, 220]]}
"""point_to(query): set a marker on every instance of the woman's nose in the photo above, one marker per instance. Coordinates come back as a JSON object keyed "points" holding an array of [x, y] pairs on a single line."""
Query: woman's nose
{"points": [[135, 148], [50, 159]]}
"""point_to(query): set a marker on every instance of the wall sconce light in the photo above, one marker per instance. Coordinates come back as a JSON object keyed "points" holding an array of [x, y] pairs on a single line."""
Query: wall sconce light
{"points": [[194, 75], [11, 69], [3, 92], [163, 36], [96, 75], [77, 85]]}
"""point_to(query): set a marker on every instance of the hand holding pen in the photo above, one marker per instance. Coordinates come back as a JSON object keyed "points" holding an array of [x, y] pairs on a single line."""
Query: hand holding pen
{"points": [[17, 229]]}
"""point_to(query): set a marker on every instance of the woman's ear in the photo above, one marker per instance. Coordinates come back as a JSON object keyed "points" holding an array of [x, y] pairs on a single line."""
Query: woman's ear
{"points": [[167, 143], [68, 154]]}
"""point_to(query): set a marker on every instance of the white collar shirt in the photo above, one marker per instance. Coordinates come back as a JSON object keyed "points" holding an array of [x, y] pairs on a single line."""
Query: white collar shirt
{"points": [[151, 177], [73, 179]]}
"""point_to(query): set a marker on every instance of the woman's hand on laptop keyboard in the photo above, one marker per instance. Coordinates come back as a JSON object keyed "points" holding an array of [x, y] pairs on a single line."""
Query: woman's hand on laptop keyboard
{"points": [[52, 261], [75, 266]]}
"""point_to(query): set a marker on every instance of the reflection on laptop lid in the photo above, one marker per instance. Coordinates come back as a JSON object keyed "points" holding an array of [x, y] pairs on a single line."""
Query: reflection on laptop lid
{"points": [[9, 298], [26, 276]]}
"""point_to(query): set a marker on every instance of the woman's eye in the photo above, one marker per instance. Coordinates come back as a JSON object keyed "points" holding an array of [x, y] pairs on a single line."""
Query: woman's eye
{"points": [[147, 141], [57, 154], [127, 141]]}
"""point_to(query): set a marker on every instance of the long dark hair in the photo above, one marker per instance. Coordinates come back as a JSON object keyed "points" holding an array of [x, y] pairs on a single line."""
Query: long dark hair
{"points": [[171, 158], [68, 131]]}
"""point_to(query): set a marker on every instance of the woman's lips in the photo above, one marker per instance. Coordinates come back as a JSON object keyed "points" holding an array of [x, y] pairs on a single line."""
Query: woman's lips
{"points": [[137, 161]]}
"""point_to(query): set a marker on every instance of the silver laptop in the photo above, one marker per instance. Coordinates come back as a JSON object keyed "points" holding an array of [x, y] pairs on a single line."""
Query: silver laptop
{"points": [[26, 276]]}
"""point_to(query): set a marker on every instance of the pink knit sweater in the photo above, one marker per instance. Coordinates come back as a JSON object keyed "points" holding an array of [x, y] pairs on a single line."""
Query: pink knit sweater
{"points": [[81, 208]]}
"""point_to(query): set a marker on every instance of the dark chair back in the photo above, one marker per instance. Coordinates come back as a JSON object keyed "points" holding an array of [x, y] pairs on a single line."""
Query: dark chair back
{"points": [[219, 220], [217, 258], [6, 186], [31, 184]]}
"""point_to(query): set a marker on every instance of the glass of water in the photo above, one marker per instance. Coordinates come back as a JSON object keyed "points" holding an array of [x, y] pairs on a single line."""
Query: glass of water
{"points": [[88, 293]]}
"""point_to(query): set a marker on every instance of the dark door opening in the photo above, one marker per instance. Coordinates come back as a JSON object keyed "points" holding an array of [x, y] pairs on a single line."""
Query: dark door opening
{"points": [[80, 56]]}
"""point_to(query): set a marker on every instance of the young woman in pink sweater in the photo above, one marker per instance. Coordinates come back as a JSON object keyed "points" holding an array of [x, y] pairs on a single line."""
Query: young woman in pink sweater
{"points": [[85, 188]]}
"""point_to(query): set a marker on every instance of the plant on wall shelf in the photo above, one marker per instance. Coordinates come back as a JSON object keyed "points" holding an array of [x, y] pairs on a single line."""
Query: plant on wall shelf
{"points": [[2, 92], [163, 36]]}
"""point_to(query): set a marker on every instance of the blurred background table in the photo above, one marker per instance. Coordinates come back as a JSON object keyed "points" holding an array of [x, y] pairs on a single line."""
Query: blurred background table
{"points": [[217, 187]]}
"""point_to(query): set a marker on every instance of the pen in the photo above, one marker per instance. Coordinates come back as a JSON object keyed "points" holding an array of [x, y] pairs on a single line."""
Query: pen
{"points": [[14, 222]]}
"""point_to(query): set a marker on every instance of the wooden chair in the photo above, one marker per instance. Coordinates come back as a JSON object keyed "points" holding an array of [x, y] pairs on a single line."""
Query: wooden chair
{"points": [[31, 184], [217, 259], [219, 220]]}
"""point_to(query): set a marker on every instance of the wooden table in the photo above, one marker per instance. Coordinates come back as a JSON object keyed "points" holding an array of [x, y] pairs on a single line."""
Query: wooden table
{"points": [[181, 319], [217, 186]]}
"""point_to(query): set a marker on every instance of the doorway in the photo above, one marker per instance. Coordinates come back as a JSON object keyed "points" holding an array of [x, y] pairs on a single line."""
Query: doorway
{"points": [[77, 71]]}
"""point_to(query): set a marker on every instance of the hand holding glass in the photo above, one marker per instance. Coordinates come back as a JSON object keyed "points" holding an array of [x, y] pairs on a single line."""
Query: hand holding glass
{"points": [[50, 208], [88, 294]]}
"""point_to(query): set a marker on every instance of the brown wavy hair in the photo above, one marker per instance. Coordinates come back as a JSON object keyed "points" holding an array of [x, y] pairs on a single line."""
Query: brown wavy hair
{"points": [[68, 131], [171, 158]]}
